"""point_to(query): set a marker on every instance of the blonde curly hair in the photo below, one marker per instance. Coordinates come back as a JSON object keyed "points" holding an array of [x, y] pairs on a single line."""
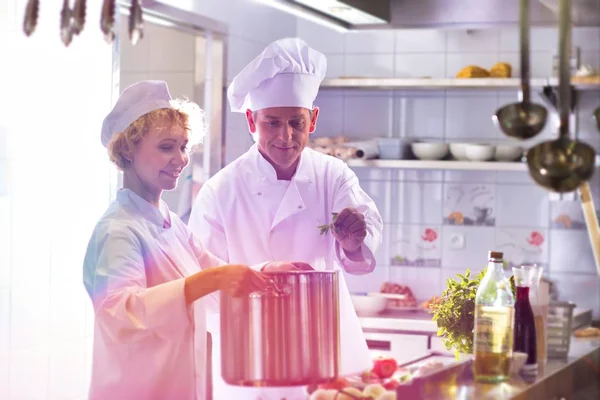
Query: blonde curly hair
{"points": [[183, 114]]}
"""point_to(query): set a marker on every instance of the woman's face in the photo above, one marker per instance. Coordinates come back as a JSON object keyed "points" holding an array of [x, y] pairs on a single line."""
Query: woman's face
{"points": [[160, 157]]}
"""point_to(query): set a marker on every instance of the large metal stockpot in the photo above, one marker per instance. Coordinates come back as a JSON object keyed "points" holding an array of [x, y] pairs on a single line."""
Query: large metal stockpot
{"points": [[286, 336]]}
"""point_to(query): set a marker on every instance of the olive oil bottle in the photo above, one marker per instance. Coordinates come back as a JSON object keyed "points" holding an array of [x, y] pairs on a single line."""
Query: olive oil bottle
{"points": [[494, 322]]}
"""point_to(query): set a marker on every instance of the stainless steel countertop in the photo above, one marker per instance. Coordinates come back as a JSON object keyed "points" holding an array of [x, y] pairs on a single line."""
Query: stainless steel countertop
{"points": [[419, 322]]}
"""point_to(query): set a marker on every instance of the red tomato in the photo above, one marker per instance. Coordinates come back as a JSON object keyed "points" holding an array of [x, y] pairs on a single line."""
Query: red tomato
{"points": [[384, 367], [390, 384]]}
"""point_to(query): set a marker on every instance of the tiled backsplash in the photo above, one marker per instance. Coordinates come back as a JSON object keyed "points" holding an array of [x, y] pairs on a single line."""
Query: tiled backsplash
{"points": [[439, 223]]}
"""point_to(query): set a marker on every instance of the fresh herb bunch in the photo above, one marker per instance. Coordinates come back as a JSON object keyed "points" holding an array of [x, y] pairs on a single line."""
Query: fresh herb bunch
{"points": [[455, 314], [325, 228]]}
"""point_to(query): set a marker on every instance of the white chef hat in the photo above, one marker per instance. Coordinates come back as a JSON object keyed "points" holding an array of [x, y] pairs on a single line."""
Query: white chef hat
{"points": [[286, 74], [141, 98]]}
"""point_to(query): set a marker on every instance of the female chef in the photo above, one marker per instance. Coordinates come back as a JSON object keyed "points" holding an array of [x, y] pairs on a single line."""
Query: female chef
{"points": [[145, 273]]}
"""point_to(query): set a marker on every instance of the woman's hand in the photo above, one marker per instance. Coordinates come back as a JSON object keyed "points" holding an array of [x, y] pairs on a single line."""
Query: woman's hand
{"points": [[240, 280]]}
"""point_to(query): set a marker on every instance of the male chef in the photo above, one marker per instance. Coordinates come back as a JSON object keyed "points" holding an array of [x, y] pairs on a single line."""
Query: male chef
{"points": [[270, 202]]}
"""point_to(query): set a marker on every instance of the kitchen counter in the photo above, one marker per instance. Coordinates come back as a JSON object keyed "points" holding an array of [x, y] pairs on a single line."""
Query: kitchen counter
{"points": [[419, 322], [577, 377]]}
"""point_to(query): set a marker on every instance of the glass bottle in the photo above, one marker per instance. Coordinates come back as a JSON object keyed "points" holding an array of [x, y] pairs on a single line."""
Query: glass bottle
{"points": [[525, 339], [493, 332]]}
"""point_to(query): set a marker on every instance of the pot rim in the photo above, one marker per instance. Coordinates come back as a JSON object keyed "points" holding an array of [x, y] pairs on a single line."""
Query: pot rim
{"points": [[314, 272]]}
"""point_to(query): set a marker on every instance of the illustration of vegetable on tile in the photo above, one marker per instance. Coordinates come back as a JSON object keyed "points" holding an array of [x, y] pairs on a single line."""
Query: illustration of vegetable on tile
{"points": [[469, 204]]}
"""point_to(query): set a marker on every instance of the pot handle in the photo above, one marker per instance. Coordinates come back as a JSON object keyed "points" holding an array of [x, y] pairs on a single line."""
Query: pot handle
{"points": [[273, 290]]}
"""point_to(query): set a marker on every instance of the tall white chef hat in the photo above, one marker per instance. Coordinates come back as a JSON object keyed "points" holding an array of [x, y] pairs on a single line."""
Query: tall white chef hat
{"points": [[141, 98], [286, 74]]}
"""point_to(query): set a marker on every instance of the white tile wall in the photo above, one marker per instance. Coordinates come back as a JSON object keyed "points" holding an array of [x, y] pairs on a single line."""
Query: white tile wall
{"points": [[520, 208]]}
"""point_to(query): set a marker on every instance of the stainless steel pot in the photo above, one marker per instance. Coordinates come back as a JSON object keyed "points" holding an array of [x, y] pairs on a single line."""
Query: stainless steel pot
{"points": [[287, 336]]}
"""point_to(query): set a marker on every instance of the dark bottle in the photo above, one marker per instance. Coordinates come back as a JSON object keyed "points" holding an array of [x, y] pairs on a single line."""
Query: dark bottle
{"points": [[524, 332]]}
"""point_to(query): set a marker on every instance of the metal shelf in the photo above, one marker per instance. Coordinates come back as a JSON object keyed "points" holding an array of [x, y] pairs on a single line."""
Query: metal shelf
{"points": [[437, 164], [444, 83], [515, 166]]}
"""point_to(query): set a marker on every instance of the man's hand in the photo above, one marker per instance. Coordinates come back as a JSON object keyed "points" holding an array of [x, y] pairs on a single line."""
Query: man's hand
{"points": [[286, 266], [350, 229]]}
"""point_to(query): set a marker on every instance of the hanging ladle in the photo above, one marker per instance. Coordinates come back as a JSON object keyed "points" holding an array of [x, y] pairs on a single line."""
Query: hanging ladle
{"points": [[562, 165], [522, 120], [597, 118]]}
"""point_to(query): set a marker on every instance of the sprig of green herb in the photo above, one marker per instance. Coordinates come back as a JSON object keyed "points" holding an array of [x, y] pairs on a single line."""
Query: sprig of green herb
{"points": [[455, 314], [324, 229]]}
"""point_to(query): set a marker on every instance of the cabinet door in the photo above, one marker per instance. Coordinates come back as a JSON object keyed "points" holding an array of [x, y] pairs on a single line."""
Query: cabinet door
{"points": [[401, 347]]}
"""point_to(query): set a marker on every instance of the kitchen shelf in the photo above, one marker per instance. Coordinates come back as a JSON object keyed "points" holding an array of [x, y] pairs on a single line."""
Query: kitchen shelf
{"points": [[437, 164], [444, 83], [446, 165]]}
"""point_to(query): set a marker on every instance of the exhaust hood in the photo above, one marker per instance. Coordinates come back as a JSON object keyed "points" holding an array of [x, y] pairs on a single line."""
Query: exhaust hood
{"points": [[461, 14]]}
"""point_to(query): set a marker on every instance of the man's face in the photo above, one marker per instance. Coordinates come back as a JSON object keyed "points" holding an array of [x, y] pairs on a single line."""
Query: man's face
{"points": [[282, 133]]}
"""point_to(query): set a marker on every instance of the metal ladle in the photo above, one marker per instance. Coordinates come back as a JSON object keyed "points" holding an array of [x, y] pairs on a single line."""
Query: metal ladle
{"points": [[597, 118], [562, 165], [522, 120]]}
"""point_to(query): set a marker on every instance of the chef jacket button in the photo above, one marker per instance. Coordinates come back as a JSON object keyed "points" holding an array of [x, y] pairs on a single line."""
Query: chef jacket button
{"points": [[259, 193], [299, 207], [310, 181]]}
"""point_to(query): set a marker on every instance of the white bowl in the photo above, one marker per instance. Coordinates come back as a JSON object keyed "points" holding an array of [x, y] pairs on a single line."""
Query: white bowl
{"points": [[368, 306], [508, 153], [458, 151], [430, 151], [479, 152]]}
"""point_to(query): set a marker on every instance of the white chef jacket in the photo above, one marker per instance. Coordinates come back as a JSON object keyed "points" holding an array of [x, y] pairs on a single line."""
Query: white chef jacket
{"points": [[148, 344], [232, 217]]}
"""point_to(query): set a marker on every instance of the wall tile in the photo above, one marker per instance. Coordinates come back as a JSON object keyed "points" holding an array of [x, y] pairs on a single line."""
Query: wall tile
{"points": [[469, 204], [470, 117], [477, 242], [331, 113], [420, 40], [415, 65], [367, 283], [420, 116], [420, 176], [571, 251], [523, 245], [521, 206], [319, 37], [376, 41], [567, 215], [417, 203], [483, 40], [335, 65], [369, 65], [416, 246], [379, 191], [356, 108], [423, 282], [470, 176], [587, 38]]}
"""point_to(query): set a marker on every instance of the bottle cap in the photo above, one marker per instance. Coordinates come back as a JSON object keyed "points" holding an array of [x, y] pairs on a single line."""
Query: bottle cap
{"points": [[495, 256]]}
